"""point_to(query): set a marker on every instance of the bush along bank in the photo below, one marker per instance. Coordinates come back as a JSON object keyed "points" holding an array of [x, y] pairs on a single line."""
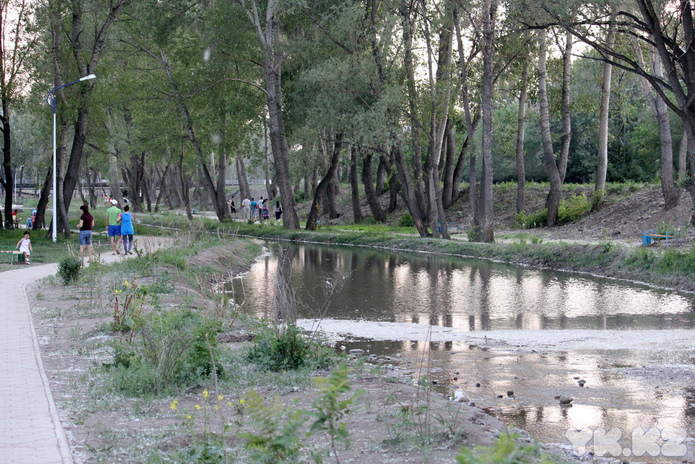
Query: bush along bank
{"points": [[671, 268]]}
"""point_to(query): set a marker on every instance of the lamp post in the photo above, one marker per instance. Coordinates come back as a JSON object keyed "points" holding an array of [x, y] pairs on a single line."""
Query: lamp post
{"points": [[51, 99]]}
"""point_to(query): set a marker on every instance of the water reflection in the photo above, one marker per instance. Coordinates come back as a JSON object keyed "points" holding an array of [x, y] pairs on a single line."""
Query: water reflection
{"points": [[460, 293]]}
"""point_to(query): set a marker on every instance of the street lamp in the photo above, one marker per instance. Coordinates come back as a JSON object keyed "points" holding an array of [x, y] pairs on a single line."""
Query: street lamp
{"points": [[51, 99]]}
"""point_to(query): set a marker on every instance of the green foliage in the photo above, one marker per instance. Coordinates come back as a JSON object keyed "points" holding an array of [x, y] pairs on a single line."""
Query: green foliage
{"points": [[166, 350], [286, 348], [275, 434], [69, 269], [406, 220], [665, 228], [504, 451], [524, 220], [574, 208], [677, 261], [329, 408], [570, 210]]}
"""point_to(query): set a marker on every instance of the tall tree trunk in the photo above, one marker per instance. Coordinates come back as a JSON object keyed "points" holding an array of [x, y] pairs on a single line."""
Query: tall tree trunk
{"points": [[372, 197], [324, 184], [471, 126], [355, 187], [658, 106], [241, 177], [603, 120], [440, 85], [565, 107], [520, 138], [487, 229], [86, 64], [449, 167], [552, 202], [269, 38], [685, 145]]}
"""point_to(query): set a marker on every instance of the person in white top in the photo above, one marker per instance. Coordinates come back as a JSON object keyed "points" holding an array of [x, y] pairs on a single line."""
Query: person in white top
{"points": [[246, 204], [24, 245]]}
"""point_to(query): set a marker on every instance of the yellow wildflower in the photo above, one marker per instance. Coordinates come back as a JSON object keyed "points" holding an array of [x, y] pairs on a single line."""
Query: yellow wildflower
{"points": [[220, 397], [242, 401], [197, 406], [229, 403], [174, 404], [217, 407], [188, 416], [126, 283], [206, 394]]}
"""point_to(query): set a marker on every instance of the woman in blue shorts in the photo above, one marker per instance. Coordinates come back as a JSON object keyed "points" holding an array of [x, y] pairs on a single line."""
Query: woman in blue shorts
{"points": [[85, 225]]}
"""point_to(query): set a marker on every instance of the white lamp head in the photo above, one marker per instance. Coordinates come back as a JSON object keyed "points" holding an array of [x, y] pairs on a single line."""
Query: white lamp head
{"points": [[86, 78]]}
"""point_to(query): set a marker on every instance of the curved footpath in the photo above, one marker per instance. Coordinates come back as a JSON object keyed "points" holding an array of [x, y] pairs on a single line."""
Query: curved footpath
{"points": [[30, 428]]}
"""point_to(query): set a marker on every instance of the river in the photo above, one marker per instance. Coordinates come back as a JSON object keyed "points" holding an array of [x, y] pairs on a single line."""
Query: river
{"points": [[512, 338]]}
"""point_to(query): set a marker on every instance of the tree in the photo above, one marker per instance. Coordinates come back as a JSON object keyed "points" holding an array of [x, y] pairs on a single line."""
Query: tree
{"points": [[268, 33], [17, 42]]}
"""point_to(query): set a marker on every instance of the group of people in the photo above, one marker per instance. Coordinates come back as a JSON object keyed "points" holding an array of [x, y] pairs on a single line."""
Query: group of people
{"points": [[119, 227], [259, 210]]}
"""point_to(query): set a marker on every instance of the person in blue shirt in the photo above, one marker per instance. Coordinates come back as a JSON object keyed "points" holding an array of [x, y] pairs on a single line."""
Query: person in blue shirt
{"points": [[127, 230]]}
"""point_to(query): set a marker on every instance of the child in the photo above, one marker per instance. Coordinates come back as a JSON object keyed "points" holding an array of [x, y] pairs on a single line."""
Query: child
{"points": [[24, 245]]}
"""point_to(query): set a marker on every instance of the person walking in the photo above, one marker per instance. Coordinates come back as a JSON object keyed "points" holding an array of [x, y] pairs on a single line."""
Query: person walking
{"points": [[85, 226], [113, 227], [232, 207], [254, 207], [246, 206], [24, 245], [265, 214], [127, 230], [278, 211]]}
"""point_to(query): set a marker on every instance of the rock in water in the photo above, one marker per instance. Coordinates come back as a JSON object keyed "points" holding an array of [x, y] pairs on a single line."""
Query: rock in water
{"points": [[564, 399]]}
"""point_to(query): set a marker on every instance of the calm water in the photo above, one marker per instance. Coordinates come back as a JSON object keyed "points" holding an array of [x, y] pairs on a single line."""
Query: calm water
{"points": [[461, 293], [624, 390]]}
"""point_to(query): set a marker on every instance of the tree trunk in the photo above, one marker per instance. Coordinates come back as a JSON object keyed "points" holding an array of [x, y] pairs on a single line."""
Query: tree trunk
{"points": [[355, 187], [658, 106], [372, 197], [241, 177], [603, 120], [552, 202], [487, 229], [324, 184], [449, 166], [269, 38], [685, 145], [565, 107], [520, 138]]}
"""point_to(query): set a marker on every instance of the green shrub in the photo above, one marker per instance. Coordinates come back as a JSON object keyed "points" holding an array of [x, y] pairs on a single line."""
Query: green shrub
{"points": [[69, 269], [524, 220], [573, 209], [406, 221], [168, 350], [285, 348]]}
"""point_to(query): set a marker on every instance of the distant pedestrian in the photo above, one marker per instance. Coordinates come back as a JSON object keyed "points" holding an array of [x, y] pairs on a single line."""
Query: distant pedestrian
{"points": [[278, 211], [113, 227], [265, 214], [232, 207], [24, 245], [85, 225], [254, 209], [127, 230], [246, 205]]}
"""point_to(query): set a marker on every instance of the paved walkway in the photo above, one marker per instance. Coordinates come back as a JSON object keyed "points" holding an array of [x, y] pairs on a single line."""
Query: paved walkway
{"points": [[30, 429]]}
